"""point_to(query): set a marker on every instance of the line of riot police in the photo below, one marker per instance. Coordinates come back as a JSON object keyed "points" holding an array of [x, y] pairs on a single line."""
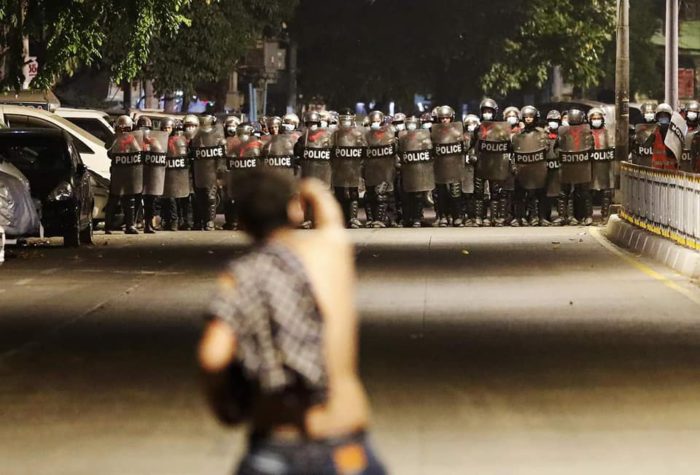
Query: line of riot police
{"points": [[479, 172]]}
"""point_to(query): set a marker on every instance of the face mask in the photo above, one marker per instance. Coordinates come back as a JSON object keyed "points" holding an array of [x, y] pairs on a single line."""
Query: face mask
{"points": [[471, 127], [692, 116], [324, 124], [512, 120], [288, 127], [663, 120], [553, 125], [649, 117], [411, 126], [565, 123], [231, 131], [376, 125], [313, 127], [427, 125], [400, 126], [244, 138], [596, 123], [487, 115]]}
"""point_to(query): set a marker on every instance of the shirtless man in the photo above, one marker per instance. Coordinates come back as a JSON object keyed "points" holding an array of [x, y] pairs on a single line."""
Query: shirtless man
{"points": [[322, 429]]}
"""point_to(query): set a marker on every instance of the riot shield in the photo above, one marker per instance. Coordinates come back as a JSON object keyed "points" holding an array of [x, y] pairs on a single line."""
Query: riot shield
{"points": [[575, 144], [602, 160], [349, 148], [449, 150], [380, 164], [278, 154], [207, 151], [247, 159], [127, 164], [415, 153], [530, 158], [177, 169], [493, 151], [686, 162], [154, 161], [316, 154], [642, 149]]}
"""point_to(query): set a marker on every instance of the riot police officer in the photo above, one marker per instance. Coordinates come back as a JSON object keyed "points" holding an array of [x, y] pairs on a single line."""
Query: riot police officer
{"points": [[493, 163], [349, 149], [689, 161], [662, 157], [126, 173], [398, 121], [207, 152], [553, 186], [177, 186], [155, 145], [473, 208], [529, 157], [511, 114], [379, 170], [241, 158], [187, 210], [417, 172], [602, 158], [426, 120], [692, 115], [231, 151], [447, 137], [640, 146], [575, 144]]}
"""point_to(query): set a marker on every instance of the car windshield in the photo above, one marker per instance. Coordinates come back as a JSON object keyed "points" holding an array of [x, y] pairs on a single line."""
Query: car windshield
{"points": [[34, 153]]}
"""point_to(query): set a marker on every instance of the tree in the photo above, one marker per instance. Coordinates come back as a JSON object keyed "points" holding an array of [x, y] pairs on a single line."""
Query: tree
{"points": [[206, 51], [66, 34]]}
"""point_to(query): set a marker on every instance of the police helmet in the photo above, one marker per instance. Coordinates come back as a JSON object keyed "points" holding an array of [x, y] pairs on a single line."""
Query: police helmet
{"points": [[190, 120], [692, 106], [312, 117], [530, 111], [664, 109], [445, 112], [596, 111], [167, 123], [144, 123], [510, 110], [231, 121], [426, 117], [488, 103], [124, 123], [553, 115], [412, 120], [376, 116], [274, 121], [245, 128], [291, 118], [576, 117], [398, 118]]}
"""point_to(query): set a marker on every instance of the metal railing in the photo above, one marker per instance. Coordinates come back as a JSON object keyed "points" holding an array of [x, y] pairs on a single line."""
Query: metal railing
{"points": [[664, 202]]}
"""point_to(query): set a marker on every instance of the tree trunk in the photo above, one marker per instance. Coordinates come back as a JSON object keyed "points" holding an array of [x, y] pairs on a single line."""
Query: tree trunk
{"points": [[126, 87]]}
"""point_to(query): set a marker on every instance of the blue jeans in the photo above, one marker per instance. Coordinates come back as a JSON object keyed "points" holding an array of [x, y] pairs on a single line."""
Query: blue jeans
{"points": [[350, 455]]}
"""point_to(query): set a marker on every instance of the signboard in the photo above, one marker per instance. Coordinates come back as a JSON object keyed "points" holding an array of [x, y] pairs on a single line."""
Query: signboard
{"points": [[29, 70], [686, 83]]}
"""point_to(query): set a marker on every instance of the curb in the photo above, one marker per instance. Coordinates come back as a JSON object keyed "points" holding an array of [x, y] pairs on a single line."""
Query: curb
{"points": [[683, 260]]}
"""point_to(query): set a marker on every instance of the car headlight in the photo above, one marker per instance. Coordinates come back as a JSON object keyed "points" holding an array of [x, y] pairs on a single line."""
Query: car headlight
{"points": [[62, 192]]}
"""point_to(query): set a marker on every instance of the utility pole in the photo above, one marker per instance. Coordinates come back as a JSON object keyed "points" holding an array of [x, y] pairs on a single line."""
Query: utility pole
{"points": [[672, 53], [622, 81], [292, 92]]}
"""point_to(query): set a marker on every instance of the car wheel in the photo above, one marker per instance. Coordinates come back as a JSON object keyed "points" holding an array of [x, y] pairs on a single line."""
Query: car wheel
{"points": [[86, 234], [71, 238]]}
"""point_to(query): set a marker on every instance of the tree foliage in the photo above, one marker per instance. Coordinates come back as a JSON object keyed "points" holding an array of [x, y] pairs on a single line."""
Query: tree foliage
{"points": [[65, 34]]}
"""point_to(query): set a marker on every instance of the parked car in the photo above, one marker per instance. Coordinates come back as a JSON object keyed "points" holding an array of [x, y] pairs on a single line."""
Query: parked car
{"points": [[59, 181], [91, 149], [94, 121], [18, 210]]}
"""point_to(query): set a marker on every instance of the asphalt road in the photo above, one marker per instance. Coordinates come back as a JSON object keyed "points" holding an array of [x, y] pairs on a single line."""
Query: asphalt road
{"points": [[490, 351]]}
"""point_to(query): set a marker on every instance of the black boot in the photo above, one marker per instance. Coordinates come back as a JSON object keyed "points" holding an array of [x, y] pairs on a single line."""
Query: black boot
{"points": [[354, 208], [587, 199], [501, 211], [533, 209], [148, 214], [562, 207], [129, 205], [570, 211], [605, 203]]}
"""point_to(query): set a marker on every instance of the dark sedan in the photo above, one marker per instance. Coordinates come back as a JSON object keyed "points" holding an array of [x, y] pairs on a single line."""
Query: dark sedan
{"points": [[59, 181]]}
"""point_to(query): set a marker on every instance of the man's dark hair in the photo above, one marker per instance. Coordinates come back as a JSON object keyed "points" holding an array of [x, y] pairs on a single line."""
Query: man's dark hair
{"points": [[262, 198]]}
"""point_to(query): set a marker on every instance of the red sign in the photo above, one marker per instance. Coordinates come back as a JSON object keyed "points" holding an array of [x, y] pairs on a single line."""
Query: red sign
{"points": [[686, 83]]}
